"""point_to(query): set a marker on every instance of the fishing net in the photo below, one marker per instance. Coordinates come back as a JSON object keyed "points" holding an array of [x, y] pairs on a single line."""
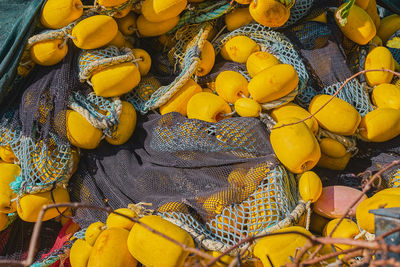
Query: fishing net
{"points": [[278, 45], [59, 253], [103, 113], [187, 60], [29, 129], [91, 61], [36, 130], [394, 179], [203, 12], [18, 20], [19, 233], [317, 41], [393, 44], [219, 181], [298, 11], [202, 175]]}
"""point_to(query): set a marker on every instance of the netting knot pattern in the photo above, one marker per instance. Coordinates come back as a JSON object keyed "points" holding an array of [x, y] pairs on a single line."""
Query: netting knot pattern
{"points": [[189, 65], [394, 179], [114, 10], [103, 113], [353, 93], [276, 44], [203, 12], [298, 11], [95, 60], [235, 134], [272, 201]]}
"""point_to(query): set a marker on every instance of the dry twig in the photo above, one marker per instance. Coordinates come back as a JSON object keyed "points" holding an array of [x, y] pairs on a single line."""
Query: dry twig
{"points": [[335, 94], [36, 231]]}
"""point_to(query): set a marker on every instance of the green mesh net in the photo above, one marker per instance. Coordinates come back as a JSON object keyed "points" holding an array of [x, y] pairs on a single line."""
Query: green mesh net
{"points": [[274, 43], [353, 93], [394, 179], [43, 164], [271, 201], [187, 57], [393, 44], [103, 113], [203, 12]]}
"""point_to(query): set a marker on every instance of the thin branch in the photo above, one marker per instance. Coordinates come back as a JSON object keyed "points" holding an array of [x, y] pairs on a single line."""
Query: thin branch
{"points": [[367, 246], [365, 189], [355, 201], [351, 255], [334, 95], [394, 230], [36, 231], [251, 239], [331, 255], [385, 262]]}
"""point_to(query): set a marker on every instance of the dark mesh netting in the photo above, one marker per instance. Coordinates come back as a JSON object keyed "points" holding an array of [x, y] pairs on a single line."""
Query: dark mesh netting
{"points": [[201, 167], [36, 130], [327, 54], [220, 67], [320, 45], [19, 234], [46, 98], [371, 157], [181, 160]]}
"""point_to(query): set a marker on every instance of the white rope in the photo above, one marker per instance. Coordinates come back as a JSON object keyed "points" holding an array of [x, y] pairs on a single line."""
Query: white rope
{"points": [[349, 143], [215, 245], [125, 55], [99, 124], [361, 234], [64, 42], [281, 101], [267, 120], [229, 114], [200, 239], [25, 63], [308, 207]]}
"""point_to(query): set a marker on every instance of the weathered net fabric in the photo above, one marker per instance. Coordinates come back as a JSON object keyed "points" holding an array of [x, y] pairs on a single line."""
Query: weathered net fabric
{"points": [[203, 12], [394, 179], [319, 45], [357, 58], [393, 44], [192, 169], [18, 20], [370, 157], [273, 199], [187, 58], [103, 113], [58, 255], [91, 61], [272, 42], [36, 130], [20, 232], [311, 35], [182, 39], [353, 93], [298, 11]]}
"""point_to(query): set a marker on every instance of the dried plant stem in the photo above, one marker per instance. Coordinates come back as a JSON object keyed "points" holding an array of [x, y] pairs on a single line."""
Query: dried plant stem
{"points": [[335, 94], [332, 255], [355, 201], [36, 231]]}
